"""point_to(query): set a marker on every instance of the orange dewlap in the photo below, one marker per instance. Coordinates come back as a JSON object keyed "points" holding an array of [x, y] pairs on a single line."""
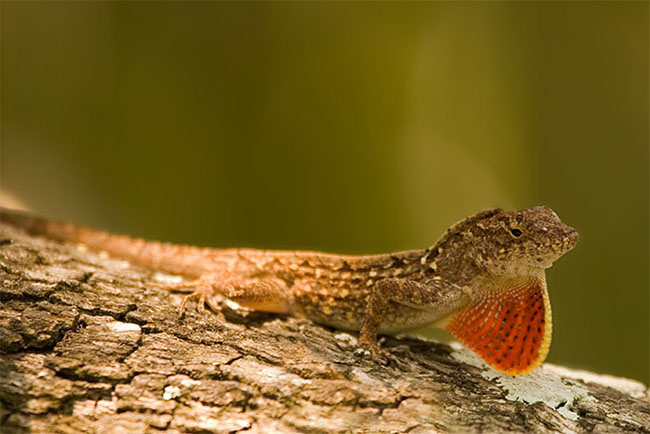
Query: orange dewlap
{"points": [[509, 327]]}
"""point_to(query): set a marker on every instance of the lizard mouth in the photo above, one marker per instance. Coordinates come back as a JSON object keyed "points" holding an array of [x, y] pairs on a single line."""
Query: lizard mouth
{"points": [[541, 264]]}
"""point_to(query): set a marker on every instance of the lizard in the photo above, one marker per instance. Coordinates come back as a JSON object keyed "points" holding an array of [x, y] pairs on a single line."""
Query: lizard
{"points": [[483, 281]]}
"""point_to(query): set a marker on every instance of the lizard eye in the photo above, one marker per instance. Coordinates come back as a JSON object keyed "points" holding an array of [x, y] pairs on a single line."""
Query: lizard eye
{"points": [[516, 232]]}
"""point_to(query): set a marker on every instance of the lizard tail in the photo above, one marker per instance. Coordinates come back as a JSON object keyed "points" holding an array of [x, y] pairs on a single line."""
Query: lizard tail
{"points": [[172, 258]]}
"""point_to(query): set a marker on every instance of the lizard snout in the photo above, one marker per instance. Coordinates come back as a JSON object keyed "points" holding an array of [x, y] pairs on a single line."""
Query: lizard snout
{"points": [[571, 237]]}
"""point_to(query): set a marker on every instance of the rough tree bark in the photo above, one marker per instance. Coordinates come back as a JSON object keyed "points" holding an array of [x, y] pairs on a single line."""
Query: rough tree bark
{"points": [[90, 344]]}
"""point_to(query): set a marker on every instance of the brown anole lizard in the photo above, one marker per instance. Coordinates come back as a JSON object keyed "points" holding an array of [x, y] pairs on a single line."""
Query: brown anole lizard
{"points": [[483, 280]]}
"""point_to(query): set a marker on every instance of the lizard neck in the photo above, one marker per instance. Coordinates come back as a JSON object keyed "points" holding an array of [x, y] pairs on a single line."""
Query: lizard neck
{"points": [[485, 283], [452, 264]]}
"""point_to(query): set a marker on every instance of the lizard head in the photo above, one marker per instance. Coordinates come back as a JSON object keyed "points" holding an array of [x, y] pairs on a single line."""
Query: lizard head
{"points": [[512, 242], [505, 243]]}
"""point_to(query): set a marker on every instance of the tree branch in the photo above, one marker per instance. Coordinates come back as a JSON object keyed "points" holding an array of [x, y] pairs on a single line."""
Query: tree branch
{"points": [[89, 343]]}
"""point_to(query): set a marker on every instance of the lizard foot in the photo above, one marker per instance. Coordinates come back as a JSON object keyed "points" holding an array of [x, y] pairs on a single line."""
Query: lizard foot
{"points": [[383, 357], [371, 350], [202, 291]]}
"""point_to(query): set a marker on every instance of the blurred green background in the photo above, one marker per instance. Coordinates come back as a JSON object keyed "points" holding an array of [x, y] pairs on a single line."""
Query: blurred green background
{"points": [[346, 127]]}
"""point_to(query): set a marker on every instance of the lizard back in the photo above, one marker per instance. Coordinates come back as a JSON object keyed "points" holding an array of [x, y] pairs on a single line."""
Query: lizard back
{"points": [[194, 261]]}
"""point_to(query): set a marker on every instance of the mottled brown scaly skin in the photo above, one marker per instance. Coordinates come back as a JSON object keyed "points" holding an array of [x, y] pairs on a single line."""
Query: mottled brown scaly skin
{"points": [[380, 293]]}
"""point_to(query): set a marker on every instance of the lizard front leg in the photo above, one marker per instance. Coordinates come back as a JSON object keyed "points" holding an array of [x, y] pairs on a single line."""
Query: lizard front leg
{"points": [[268, 294], [405, 292]]}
